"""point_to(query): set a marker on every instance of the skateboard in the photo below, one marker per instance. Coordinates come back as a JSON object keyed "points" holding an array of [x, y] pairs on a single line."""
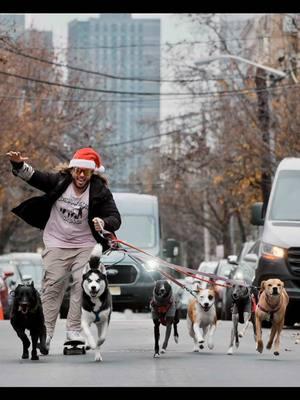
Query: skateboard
{"points": [[74, 347]]}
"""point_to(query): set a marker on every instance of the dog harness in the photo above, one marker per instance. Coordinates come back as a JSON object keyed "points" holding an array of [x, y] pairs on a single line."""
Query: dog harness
{"points": [[269, 312], [162, 309], [97, 315]]}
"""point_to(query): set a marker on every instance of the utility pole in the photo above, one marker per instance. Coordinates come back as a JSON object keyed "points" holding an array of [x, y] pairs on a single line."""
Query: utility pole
{"points": [[264, 124]]}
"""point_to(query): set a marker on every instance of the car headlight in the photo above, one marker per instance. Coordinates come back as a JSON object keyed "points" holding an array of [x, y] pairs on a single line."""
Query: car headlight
{"points": [[151, 265], [239, 276], [272, 252]]}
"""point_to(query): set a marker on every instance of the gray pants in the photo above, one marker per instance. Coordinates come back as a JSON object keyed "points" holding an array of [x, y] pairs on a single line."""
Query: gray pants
{"points": [[57, 262]]}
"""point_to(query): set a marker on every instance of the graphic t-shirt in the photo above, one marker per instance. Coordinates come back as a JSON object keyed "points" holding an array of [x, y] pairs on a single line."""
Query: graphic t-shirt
{"points": [[68, 226]]}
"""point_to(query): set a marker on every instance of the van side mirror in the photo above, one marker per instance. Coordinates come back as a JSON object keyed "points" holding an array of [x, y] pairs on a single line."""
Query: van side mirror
{"points": [[251, 257], [256, 214], [232, 259], [171, 249]]}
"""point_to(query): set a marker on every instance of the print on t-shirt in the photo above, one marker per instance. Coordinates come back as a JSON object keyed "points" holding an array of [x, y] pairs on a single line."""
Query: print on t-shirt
{"points": [[71, 209]]}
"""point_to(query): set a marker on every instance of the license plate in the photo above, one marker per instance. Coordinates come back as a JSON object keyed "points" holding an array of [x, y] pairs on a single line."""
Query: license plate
{"points": [[115, 290]]}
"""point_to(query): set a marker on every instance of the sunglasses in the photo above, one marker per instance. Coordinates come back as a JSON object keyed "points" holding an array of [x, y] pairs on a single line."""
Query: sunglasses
{"points": [[86, 172]]}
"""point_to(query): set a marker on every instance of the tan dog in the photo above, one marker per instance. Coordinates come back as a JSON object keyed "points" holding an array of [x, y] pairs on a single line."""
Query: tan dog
{"points": [[272, 303]]}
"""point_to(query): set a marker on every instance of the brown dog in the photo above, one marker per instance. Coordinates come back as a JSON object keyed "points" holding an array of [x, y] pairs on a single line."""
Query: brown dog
{"points": [[272, 303]]}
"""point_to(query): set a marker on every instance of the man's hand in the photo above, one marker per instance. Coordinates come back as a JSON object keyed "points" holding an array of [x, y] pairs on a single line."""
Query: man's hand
{"points": [[98, 224], [15, 156]]}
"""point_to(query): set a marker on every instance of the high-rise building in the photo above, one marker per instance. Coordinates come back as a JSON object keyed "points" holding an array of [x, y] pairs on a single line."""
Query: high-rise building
{"points": [[127, 49], [12, 25]]}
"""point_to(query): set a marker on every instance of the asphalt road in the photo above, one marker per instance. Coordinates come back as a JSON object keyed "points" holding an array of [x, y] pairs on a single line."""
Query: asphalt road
{"points": [[128, 360]]}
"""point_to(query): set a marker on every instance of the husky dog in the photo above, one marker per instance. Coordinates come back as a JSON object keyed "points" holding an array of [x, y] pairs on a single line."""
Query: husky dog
{"points": [[96, 301]]}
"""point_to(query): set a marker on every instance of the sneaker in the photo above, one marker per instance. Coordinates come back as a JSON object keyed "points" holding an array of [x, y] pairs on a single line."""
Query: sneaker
{"points": [[75, 335], [48, 340]]}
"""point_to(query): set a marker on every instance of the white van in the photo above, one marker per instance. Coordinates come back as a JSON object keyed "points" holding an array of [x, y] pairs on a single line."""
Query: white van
{"points": [[131, 281], [279, 254]]}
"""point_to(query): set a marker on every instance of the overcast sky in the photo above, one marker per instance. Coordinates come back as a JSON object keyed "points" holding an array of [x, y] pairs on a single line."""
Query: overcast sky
{"points": [[171, 31]]}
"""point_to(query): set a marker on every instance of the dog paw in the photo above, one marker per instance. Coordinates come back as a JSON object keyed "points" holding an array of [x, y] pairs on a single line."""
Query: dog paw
{"points": [[156, 355], [35, 357], [163, 351], [25, 355], [201, 346], [241, 335], [98, 357], [91, 343], [176, 338], [276, 353], [44, 350], [237, 344], [210, 346], [259, 347], [229, 352]]}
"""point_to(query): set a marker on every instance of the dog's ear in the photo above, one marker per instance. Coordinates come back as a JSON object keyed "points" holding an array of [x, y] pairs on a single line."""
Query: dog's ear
{"points": [[262, 285], [102, 268]]}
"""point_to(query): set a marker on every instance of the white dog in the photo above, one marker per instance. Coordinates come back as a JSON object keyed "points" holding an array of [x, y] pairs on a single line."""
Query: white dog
{"points": [[202, 315], [96, 301]]}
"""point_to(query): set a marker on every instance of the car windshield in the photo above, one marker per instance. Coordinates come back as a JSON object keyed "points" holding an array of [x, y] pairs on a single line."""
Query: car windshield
{"points": [[138, 230], [286, 207], [33, 269]]}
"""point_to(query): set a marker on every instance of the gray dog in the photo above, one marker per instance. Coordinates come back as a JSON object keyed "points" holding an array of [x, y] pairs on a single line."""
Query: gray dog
{"points": [[243, 311]]}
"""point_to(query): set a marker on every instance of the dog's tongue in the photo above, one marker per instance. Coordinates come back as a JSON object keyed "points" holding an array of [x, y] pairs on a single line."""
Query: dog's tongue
{"points": [[23, 308]]}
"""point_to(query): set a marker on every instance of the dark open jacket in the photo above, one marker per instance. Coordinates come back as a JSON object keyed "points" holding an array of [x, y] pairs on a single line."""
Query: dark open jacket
{"points": [[36, 210]]}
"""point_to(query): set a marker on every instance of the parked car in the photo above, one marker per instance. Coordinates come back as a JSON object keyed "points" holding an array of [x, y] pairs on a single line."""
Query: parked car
{"points": [[21, 268], [224, 268], [26, 267], [247, 262], [4, 293]]}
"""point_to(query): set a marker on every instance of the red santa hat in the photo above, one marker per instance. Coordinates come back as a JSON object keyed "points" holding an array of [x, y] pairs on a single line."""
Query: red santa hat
{"points": [[87, 158]]}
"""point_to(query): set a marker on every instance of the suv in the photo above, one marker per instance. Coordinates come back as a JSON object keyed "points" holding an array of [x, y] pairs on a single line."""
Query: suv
{"points": [[279, 254], [19, 268], [244, 270]]}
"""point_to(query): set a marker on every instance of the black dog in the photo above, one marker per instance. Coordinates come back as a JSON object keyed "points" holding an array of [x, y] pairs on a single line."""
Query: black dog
{"points": [[27, 313], [164, 311]]}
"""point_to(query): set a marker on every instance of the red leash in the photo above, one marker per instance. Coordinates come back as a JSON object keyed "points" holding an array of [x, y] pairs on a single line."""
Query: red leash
{"points": [[184, 270]]}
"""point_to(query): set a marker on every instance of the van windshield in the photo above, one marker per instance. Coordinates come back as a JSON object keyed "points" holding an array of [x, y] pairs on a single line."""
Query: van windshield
{"points": [[138, 230], [286, 200]]}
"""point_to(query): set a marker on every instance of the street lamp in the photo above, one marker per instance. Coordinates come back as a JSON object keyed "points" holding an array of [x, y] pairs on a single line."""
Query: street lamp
{"points": [[207, 60]]}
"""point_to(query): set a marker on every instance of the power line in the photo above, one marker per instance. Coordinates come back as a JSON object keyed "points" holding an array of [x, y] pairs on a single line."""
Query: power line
{"points": [[91, 101], [215, 93], [150, 137], [102, 74], [145, 45]]}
